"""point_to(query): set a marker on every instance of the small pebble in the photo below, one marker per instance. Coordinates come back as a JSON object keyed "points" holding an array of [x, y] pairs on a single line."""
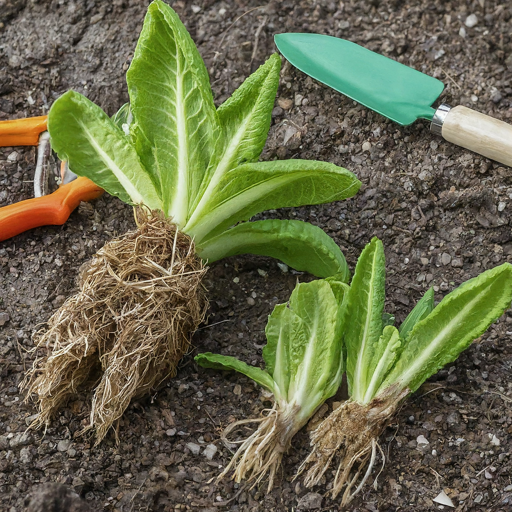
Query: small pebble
{"points": [[284, 267], [501, 206], [210, 451], [194, 448], [471, 21], [443, 499], [4, 318], [64, 445], [285, 103], [494, 440], [171, 432], [26, 455], [367, 146], [446, 258], [422, 441]]}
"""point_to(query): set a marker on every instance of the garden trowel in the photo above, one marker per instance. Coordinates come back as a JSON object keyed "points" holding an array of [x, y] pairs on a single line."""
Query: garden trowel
{"points": [[395, 91]]}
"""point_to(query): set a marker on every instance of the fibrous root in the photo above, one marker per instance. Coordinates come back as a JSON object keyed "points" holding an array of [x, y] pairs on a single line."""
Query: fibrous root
{"points": [[140, 298], [349, 435]]}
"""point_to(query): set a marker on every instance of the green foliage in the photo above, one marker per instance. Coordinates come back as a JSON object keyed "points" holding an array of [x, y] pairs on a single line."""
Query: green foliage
{"points": [[172, 150], [380, 357], [365, 305], [303, 355], [299, 244]]}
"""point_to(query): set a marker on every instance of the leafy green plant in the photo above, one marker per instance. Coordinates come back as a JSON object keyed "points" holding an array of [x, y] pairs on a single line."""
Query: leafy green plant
{"points": [[384, 364], [194, 169], [303, 368]]}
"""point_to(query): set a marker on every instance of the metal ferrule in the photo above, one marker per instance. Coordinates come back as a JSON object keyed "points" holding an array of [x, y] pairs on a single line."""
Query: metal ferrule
{"points": [[436, 126]]}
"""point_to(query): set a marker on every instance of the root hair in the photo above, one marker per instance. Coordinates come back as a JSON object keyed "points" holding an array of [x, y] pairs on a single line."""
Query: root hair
{"points": [[350, 435], [261, 453], [140, 298]]}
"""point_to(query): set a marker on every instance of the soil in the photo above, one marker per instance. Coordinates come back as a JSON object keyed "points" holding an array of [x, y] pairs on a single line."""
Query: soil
{"points": [[443, 213]]}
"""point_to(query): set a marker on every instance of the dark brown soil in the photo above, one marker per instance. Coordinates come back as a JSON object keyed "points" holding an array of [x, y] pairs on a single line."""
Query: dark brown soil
{"points": [[443, 213]]}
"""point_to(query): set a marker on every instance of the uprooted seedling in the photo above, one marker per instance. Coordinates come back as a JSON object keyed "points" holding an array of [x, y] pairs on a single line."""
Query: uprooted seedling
{"points": [[384, 364], [196, 169], [303, 368]]}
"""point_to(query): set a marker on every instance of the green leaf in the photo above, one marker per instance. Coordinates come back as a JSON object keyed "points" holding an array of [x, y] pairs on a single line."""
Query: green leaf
{"points": [[252, 188], [245, 120], [462, 316], [176, 122], [218, 362], [339, 287], [123, 118], [304, 350], [283, 328], [383, 358], [365, 304], [96, 148], [422, 309], [299, 244], [316, 365]]}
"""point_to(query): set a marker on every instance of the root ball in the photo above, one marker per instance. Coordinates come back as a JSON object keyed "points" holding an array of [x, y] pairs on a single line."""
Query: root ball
{"points": [[140, 298], [349, 436]]}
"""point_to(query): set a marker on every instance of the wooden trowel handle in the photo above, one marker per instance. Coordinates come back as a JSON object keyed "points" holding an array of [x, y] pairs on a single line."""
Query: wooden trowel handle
{"points": [[478, 132]]}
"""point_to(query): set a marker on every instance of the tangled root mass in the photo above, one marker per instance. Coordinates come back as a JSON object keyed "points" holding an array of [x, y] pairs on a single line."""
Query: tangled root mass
{"points": [[261, 453], [140, 298], [349, 435]]}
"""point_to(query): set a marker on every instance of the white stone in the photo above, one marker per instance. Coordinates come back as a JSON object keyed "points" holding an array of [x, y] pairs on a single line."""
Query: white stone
{"points": [[471, 21], [194, 448], [367, 146], [443, 499], [422, 441], [210, 451], [283, 267], [494, 440]]}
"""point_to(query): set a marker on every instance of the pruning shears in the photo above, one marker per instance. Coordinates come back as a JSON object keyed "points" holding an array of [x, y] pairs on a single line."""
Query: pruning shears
{"points": [[46, 208]]}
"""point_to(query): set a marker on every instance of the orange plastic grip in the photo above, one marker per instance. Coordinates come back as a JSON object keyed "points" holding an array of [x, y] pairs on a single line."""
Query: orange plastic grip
{"points": [[22, 132], [53, 209]]}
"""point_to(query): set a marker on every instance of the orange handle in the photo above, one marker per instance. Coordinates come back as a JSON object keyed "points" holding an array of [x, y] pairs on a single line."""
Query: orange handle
{"points": [[22, 132], [53, 209]]}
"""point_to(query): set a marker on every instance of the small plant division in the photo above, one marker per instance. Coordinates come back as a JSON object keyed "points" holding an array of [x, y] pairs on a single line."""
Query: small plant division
{"points": [[385, 364], [303, 368], [192, 172]]}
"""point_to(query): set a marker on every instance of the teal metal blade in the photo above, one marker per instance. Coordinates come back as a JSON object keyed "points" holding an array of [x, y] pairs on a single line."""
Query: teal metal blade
{"points": [[396, 91]]}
